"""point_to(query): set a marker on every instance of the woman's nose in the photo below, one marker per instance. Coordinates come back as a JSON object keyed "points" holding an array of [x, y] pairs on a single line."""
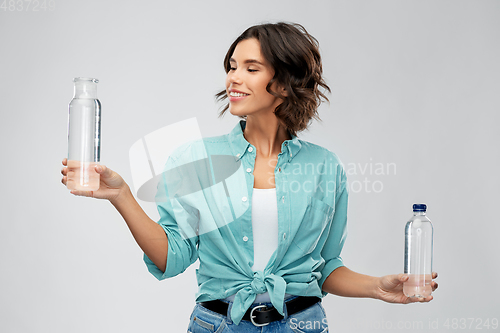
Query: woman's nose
{"points": [[233, 76]]}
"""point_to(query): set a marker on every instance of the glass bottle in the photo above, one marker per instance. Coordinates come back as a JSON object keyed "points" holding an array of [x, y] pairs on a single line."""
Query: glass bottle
{"points": [[418, 253], [84, 136]]}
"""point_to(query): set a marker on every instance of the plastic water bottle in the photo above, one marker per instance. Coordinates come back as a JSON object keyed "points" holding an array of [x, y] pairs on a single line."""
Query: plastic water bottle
{"points": [[84, 136], [418, 253]]}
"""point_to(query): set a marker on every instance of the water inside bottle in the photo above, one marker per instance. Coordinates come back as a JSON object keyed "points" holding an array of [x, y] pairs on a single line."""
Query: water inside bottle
{"points": [[82, 176], [418, 285], [418, 256]]}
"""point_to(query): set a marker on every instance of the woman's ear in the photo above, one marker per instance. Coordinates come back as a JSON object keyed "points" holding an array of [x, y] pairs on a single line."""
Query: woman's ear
{"points": [[279, 89], [283, 91]]}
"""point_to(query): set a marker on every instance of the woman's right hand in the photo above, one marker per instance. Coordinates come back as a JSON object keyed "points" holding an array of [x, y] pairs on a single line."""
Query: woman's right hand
{"points": [[111, 184]]}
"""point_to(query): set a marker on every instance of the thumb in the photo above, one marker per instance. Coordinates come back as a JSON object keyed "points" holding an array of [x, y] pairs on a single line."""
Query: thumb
{"points": [[395, 279], [402, 277], [103, 170]]}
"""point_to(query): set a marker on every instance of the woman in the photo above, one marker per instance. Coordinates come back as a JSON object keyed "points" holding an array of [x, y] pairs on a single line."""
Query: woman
{"points": [[268, 233]]}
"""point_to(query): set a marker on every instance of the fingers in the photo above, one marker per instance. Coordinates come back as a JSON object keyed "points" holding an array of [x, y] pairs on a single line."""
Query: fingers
{"points": [[419, 299], [64, 171], [425, 299], [434, 284]]}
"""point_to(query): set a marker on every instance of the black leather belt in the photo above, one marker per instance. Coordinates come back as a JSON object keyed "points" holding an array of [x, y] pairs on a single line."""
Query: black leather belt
{"points": [[262, 315]]}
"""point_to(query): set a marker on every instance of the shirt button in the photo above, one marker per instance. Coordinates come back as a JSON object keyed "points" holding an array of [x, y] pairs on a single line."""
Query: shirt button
{"points": [[250, 149], [244, 199], [290, 154], [279, 169], [249, 170], [245, 239]]}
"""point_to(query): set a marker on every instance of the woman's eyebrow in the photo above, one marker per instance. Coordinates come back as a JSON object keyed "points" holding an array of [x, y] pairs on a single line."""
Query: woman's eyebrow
{"points": [[249, 61]]}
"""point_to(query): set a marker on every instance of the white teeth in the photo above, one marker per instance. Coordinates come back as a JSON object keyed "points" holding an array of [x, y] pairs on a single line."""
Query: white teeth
{"points": [[235, 94]]}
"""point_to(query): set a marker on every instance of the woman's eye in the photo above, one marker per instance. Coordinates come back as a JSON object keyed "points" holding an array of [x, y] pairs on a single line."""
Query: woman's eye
{"points": [[232, 69], [252, 70]]}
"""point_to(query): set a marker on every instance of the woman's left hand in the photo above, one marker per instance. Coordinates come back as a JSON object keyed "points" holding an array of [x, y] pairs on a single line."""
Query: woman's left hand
{"points": [[390, 289]]}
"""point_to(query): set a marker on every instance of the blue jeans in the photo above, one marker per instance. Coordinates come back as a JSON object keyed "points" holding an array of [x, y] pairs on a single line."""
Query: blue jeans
{"points": [[310, 320]]}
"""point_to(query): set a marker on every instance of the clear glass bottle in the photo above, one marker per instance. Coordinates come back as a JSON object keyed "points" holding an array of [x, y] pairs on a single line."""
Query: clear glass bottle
{"points": [[84, 136], [418, 253]]}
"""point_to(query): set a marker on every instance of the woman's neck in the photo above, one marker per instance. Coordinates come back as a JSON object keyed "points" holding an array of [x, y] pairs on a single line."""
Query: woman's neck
{"points": [[266, 134]]}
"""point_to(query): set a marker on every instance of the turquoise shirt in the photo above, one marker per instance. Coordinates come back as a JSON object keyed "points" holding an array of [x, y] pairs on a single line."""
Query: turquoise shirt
{"points": [[204, 199]]}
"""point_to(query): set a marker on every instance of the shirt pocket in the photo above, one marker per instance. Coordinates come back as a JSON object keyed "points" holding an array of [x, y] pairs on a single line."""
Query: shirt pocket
{"points": [[316, 217]]}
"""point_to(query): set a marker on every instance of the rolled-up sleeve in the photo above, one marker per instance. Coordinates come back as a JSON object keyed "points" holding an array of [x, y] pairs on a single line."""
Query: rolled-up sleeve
{"points": [[179, 223], [337, 234]]}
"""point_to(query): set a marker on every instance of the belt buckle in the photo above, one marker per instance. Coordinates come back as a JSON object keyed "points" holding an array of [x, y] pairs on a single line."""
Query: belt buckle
{"points": [[252, 316]]}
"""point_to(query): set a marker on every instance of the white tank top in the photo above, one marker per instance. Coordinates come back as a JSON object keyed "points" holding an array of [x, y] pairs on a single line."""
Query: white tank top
{"points": [[265, 233]]}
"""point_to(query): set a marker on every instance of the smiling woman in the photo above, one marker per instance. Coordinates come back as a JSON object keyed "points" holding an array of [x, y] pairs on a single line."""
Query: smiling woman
{"points": [[247, 81], [289, 56], [268, 236]]}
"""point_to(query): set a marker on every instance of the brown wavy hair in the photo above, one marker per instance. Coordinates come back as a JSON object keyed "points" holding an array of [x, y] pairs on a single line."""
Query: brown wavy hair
{"points": [[294, 55]]}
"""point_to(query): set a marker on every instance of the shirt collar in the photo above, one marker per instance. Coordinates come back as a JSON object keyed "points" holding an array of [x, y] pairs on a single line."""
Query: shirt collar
{"points": [[239, 144]]}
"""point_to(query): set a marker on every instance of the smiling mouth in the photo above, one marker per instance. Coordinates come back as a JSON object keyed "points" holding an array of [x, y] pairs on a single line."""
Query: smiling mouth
{"points": [[237, 94]]}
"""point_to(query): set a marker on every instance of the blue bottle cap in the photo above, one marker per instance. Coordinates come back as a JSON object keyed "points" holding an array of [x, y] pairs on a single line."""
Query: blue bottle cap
{"points": [[419, 207]]}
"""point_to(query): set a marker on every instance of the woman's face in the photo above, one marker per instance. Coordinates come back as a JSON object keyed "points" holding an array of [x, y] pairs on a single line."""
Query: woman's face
{"points": [[247, 79]]}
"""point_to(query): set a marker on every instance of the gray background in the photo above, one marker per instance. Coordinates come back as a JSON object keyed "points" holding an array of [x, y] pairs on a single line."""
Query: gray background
{"points": [[415, 84]]}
